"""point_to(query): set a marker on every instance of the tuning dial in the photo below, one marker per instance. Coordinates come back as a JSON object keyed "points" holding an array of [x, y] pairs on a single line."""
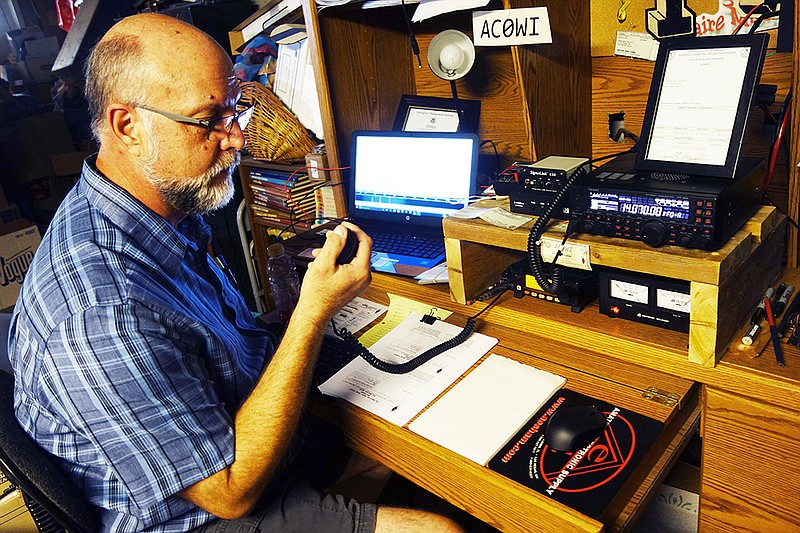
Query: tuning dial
{"points": [[685, 240], [654, 232], [705, 243]]}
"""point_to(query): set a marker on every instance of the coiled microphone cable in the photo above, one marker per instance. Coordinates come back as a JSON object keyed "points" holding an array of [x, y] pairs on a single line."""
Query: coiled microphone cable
{"points": [[412, 364], [554, 282]]}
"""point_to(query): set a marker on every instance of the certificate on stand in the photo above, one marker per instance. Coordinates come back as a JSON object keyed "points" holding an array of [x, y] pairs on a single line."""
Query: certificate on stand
{"points": [[428, 119], [436, 114]]}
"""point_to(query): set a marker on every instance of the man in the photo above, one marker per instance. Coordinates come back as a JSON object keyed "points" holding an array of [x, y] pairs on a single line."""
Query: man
{"points": [[135, 360]]}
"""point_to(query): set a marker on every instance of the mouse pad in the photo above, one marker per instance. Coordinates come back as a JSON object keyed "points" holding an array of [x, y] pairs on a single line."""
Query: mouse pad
{"points": [[586, 479]]}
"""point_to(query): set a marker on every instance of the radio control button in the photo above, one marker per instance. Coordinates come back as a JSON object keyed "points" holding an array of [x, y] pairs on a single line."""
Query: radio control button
{"points": [[654, 233]]}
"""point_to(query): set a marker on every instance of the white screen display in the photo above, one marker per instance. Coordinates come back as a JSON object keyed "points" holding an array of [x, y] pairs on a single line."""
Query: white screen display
{"points": [[418, 175], [697, 105]]}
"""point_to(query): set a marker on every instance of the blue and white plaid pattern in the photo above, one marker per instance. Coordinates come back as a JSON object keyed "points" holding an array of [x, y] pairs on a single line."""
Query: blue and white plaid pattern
{"points": [[132, 352]]}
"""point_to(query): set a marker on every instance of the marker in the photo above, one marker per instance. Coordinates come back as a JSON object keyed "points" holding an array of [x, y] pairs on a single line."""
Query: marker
{"points": [[758, 314], [783, 299], [776, 339], [748, 339]]}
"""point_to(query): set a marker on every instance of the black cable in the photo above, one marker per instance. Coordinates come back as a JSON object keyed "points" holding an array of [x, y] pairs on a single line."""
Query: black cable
{"points": [[553, 282], [416, 362], [781, 211], [496, 154], [412, 38]]}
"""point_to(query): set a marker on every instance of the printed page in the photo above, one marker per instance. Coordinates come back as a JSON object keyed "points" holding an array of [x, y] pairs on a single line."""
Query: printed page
{"points": [[399, 397]]}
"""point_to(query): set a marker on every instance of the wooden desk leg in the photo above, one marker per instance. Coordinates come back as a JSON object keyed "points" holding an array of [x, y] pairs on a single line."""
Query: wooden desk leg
{"points": [[703, 323], [751, 465]]}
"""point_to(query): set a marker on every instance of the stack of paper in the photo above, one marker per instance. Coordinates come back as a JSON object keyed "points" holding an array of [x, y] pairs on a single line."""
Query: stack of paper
{"points": [[399, 397], [486, 408]]}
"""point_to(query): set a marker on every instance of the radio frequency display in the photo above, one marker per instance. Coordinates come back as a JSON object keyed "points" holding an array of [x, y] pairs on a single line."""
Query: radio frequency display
{"points": [[650, 206]]}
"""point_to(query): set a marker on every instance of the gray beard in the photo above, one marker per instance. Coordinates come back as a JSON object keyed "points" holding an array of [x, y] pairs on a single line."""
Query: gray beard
{"points": [[196, 195]]}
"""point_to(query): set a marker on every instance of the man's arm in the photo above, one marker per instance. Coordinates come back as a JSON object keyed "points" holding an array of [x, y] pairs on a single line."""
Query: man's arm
{"points": [[267, 420]]}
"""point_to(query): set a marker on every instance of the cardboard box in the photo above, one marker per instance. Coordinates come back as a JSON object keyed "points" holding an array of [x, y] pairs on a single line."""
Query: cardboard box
{"points": [[37, 69], [68, 163], [47, 47], [33, 141], [18, 242], [16, 38]]}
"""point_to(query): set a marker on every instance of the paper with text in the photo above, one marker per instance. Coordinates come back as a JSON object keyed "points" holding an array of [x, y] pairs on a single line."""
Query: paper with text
{"points": [[486, 408], [399, 309], [399, 397], [356, 314]]}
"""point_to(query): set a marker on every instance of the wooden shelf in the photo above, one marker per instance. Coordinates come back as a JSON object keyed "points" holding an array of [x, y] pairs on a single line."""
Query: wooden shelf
{"points": [[725, 284]]}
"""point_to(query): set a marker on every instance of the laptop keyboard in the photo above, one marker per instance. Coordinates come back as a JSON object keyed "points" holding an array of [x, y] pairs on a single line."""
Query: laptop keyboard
{"points": [[404, 244]]}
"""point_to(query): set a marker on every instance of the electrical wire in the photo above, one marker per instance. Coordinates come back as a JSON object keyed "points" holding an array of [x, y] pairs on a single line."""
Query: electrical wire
{"points": [[773, 156], [745, 19], [416, 362]]}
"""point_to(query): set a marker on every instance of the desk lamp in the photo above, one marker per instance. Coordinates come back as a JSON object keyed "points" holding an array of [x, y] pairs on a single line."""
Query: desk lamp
{"points": [[451, 55]]}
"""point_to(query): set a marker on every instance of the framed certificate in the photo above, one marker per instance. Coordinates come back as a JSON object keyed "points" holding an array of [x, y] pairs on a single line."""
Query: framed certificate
{"points": [[429, 113]]}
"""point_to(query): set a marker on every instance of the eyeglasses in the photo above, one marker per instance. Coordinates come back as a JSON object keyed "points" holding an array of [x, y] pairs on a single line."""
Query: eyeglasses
{"points": [[242, 118]]}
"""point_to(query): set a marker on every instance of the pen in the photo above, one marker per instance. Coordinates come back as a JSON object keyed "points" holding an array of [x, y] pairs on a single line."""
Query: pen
{"points": [[783, 299], [776, 339], [759, 312], [778, 293], [750, 336]]}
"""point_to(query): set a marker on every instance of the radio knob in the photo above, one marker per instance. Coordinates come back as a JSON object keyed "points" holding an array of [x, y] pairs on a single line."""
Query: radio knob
{"points": [[588, 227], [653, 233], [685, 241], [705, 242]]}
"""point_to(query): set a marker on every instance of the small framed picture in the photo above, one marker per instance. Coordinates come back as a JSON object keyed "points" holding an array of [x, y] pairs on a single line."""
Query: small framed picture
{"points": [[430, 113]]}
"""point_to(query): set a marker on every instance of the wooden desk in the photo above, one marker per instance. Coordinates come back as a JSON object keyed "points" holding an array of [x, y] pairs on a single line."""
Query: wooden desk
{"points": [[491, 497], [749, 410]]}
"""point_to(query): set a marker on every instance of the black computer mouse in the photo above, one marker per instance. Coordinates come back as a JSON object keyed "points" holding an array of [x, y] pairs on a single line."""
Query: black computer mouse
{"points": [[350, 248], [573, 428]]}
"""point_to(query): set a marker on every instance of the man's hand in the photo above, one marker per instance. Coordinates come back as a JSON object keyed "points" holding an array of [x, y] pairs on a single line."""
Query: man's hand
{"points": [[327, 287]]}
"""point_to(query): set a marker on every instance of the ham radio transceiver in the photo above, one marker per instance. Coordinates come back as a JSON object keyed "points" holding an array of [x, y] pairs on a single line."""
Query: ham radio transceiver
{"points": [[539, 182]]}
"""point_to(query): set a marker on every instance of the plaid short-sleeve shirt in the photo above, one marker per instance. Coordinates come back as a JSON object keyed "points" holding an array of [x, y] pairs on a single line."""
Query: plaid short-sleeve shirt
{"points": [[132, 352]]}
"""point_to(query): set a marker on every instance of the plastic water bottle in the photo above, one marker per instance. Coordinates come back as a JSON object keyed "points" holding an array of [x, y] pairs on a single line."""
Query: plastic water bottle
{"points": [[283, 280]]}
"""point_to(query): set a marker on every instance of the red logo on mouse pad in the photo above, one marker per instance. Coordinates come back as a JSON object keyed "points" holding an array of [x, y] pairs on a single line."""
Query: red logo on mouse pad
{"points": [[585, 479]]}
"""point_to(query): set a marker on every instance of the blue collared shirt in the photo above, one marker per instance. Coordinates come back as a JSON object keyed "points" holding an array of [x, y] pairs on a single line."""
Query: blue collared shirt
{"points": [[132, 352]]}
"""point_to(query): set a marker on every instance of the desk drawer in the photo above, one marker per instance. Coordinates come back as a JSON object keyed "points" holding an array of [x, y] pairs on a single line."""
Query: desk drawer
{"points": [[503, 503]]}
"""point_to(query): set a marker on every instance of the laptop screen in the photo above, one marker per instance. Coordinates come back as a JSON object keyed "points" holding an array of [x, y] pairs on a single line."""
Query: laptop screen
{"points": [[700, 98], [417, 177]]}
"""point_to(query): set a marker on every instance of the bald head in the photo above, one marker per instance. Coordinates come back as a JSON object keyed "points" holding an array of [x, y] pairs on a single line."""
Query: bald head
{"points": [[152, 59]]}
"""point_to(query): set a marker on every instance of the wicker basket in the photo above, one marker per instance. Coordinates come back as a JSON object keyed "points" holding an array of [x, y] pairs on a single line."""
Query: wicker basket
{"points": [[273, 133]]}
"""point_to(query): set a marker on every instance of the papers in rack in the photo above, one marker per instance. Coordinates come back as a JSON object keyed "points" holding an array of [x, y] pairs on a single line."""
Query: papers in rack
{"points": [[399, 397], [295, 84], [433, 8], [483, 410]]}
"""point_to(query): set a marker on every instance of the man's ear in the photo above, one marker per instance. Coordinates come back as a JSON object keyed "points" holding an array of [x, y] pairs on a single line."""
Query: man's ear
{"points": [[123, 128]]}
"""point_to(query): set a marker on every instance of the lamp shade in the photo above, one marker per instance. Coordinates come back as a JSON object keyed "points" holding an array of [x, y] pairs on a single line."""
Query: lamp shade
{"points": [[451, 55]]}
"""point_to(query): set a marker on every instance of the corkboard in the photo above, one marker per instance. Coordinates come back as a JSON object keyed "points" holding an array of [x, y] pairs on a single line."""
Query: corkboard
{"points": [[610, 16]]}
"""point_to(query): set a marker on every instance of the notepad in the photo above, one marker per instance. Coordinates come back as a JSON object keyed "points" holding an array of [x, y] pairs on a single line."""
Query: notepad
{"points": [[487, 407]]}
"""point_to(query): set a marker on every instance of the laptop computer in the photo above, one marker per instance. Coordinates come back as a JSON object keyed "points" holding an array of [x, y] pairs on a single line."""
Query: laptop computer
{"points": [[401, 186]]}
